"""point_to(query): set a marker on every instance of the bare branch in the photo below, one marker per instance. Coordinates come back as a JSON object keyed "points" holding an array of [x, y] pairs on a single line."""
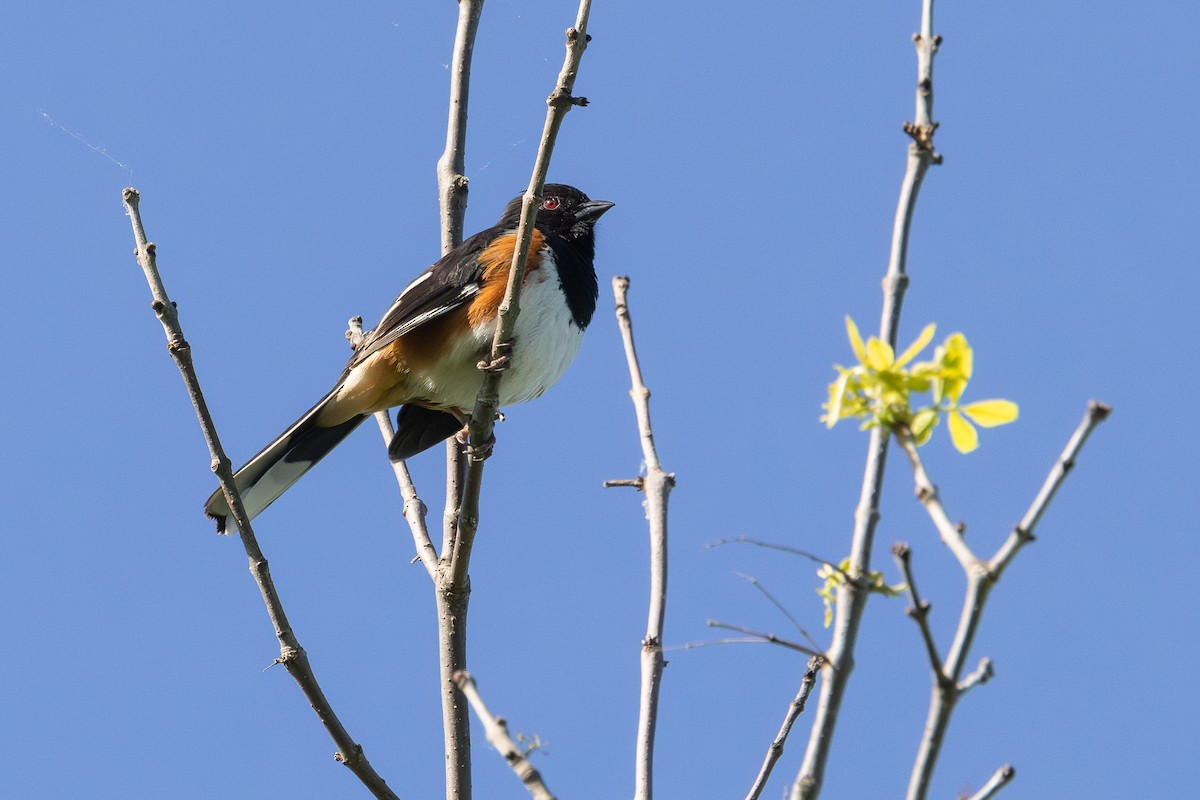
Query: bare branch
{"points": [[852, 596], [1096, 413], [765, 637], [781, 547], [727, 640], [414, 509], [657, 486], [483, 417], [635, 483], [291, 654], [927, 493], [919, 610], [982, 674], [795, 709], [998, 781], [981, 578], [497, 734], [450, 598], [452, 182], [771, 598]]}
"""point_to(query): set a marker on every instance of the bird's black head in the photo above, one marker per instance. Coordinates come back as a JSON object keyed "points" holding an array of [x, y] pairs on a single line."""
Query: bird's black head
{"points": [[567, 218], [565, 211]]}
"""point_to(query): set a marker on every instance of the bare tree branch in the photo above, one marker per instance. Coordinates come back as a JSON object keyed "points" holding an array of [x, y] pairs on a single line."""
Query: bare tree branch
{"points": [[1096, 413], [766, 637], [497, 733], [414, 509], [852, 595], [451, 600], [463, 477], [927, 493], [483, 417], [781, 547], [919, 610], [981, 578], [452, 182], [982, 674], [657, 486], [998, 781], [795, 709], [291, 654], [771, 599]]}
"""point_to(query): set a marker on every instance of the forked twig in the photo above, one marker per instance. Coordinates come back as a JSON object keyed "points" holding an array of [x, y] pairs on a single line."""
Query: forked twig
{"points": [[950, 684]]}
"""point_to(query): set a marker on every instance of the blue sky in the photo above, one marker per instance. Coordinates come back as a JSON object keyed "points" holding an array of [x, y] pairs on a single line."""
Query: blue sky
{"points": [[285, 155]]}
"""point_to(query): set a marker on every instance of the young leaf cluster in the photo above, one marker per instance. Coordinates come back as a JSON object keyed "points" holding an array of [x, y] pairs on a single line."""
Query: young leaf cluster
{"points": [[881, 389]]}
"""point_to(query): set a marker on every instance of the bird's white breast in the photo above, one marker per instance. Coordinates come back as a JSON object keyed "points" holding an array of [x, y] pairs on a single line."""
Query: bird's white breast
{"points": [[544, 345]]}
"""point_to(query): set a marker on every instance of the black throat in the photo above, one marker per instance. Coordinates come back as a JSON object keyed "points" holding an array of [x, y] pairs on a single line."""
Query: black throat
{"points": [[573, 254]]}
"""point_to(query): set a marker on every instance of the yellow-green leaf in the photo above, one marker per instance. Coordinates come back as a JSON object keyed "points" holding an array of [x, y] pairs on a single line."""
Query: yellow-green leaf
{"points": [[959, 355], [837, 392], [962, 433], [879, 354], [990, 413], [917, 346], [922, 425], [856, 342]]}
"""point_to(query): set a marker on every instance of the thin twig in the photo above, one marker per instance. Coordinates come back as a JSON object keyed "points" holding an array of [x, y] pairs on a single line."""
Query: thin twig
{"points": [[451, 167], [781, 547], [981, 675], [919, 610], [483, 418], [727, 640], [852, 594], [753, 581], [927, 493], [1096, 413], [795, 709], [657, 486], [291, 654], [497, 733], [998, 781], [414, 508], [766, 637]]}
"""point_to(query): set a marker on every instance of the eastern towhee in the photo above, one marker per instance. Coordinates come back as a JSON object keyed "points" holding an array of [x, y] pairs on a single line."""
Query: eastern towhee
{"points": [[425, 352]]}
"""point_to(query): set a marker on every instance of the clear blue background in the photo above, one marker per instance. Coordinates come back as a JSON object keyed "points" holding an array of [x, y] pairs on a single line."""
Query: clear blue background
{"points": [[285, 154]]}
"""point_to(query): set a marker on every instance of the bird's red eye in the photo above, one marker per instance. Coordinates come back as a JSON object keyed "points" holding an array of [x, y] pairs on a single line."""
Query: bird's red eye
{"points": [[550, 203]]}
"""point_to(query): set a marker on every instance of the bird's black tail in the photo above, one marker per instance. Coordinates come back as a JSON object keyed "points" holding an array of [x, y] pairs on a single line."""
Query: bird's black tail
{"points": [[419, 429], [280, 464]]}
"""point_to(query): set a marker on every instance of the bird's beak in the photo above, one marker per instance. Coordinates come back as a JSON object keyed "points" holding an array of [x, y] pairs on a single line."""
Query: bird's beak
{"points": [[592, 210]]}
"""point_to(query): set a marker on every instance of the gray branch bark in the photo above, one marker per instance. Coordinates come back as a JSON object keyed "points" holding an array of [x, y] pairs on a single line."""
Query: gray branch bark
{"points": [[657, 485], [293, 657], [852, 594]]}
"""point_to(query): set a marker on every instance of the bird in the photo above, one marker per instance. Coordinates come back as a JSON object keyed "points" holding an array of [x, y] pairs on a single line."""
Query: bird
{"points": [[425, 353]]}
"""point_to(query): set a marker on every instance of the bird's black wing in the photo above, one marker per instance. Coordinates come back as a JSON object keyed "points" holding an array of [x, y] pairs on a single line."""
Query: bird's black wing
{"points": [[445, 286]]}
